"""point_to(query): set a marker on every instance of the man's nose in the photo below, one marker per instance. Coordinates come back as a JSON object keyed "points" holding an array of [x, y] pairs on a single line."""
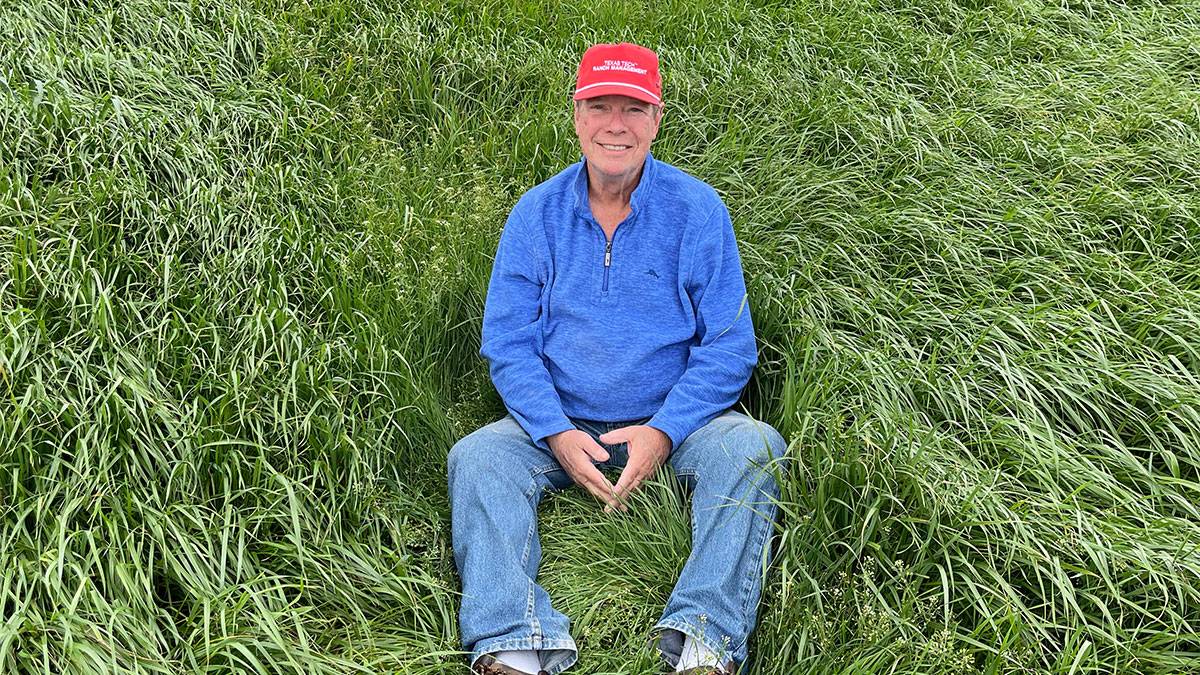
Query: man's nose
{"points": [[615, 122]]}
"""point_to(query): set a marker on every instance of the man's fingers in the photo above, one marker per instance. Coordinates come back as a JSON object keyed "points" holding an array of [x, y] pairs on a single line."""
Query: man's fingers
{"points": [[595, 451], [598, 484], [624, 488], [627, 488], [629, 480], [615, 436], [606, 494], [627, 476]]}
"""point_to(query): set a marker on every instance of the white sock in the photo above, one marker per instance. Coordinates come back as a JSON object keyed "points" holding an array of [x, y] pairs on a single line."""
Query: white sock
{"points": [[525, 660], [695, 654]]}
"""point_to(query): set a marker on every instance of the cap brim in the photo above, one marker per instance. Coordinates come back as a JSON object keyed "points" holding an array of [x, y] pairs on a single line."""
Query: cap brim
{"points": [[609, 88]]}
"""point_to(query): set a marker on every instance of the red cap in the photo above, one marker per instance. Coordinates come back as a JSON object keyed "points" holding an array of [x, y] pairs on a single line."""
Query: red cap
{"points": [[626, 69]]}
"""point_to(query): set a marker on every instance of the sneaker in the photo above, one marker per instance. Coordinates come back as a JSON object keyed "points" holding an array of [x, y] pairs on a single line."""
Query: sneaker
{"points": [[488, 665]]}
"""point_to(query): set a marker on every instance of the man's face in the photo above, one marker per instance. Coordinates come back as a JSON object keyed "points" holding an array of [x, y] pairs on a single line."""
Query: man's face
{"points": [[615, 133]]}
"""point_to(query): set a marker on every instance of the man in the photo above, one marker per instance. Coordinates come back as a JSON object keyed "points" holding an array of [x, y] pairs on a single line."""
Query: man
{"points": [[619, 337]]}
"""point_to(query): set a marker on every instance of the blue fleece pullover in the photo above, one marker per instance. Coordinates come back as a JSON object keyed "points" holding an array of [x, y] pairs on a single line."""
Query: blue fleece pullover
{"points": [[652, 323]]}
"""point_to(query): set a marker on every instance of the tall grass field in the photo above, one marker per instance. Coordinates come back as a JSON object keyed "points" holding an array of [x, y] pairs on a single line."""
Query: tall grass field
{"points": [[244, 251]]}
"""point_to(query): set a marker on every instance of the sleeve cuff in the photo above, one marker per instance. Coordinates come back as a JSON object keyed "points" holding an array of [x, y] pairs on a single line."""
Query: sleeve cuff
{"points": [[677, 433], [541, 432]]}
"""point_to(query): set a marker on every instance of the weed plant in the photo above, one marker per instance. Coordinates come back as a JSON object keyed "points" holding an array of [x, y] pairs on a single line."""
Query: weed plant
{"points": [[244, 249]]}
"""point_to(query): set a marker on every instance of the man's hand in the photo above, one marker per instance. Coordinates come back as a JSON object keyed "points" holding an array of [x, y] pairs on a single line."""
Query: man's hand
{"points": [[648, 449], [575, 450]]}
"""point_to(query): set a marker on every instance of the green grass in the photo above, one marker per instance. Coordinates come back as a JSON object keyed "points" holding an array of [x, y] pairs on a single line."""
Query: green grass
{"points": [[244, 249]]}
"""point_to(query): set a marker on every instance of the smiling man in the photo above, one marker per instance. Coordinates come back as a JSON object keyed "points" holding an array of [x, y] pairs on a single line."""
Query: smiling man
{"points": [[619, 337]]}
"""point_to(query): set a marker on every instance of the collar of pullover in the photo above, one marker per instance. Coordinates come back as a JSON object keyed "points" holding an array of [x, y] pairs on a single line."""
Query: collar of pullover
{"points": [[583, 205]]}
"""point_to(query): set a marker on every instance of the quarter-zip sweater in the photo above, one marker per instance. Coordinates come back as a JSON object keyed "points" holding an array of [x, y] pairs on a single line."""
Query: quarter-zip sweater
{"points": [[653, 322]]}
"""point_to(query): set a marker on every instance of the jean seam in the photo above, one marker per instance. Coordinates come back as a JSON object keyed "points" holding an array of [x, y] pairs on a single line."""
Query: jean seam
{"points": [[695, 476], [534, 625], [544, 469], [765, 526], [755, 572]]}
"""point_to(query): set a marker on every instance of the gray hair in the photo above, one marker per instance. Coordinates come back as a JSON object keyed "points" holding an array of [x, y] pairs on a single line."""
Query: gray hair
{"points": [[655, 109]]}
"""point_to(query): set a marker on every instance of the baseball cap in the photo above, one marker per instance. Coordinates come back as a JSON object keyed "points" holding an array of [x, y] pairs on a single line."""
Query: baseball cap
{"points": [[627, 69]]}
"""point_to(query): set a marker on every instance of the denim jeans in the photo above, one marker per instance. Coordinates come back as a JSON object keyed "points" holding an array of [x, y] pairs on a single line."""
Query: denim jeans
{"points": [[498, 475]]}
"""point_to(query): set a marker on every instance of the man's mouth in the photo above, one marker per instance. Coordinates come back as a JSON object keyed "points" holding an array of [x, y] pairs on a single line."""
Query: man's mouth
{"points": [[614, 148]]}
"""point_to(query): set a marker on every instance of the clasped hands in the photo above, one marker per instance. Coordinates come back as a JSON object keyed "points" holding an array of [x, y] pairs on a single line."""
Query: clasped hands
{"points": [[575, 451]]}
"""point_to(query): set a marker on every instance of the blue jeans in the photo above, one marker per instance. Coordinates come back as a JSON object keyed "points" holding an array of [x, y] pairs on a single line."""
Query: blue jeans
{"points": [[497, 477]]}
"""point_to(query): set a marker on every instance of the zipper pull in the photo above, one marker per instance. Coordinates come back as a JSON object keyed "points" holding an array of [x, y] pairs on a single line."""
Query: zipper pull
{"points": [[608, 253]]}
